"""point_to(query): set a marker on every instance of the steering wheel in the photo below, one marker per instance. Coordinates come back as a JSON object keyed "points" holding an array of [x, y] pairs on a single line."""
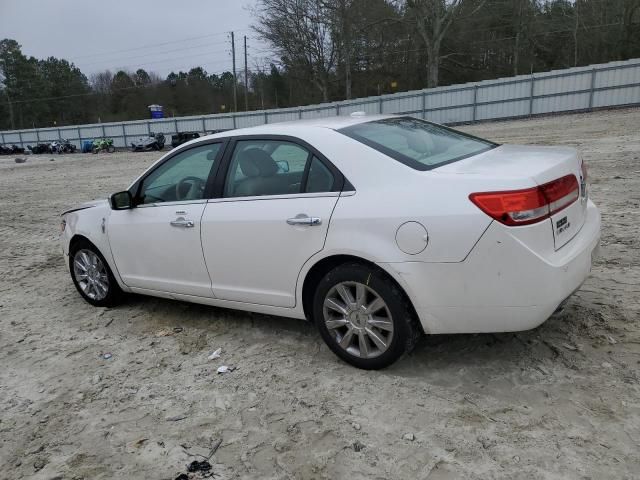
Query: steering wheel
{"points": [[190, 188]]}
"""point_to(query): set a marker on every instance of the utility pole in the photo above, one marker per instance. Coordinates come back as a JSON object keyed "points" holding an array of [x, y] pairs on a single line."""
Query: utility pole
{"points": [[246, 78], [235, 81]]}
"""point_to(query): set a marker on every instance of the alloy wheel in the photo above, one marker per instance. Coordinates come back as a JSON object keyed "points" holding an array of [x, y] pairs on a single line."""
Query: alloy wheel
{"points": [[358, 319], [91, 274]]}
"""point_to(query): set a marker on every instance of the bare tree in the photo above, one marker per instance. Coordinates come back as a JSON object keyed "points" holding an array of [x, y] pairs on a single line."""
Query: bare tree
{"points": [[301, 33], [433, 18]]}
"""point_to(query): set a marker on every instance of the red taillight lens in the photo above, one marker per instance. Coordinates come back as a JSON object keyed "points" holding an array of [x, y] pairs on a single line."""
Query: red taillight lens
{"points": [[531, 205]]}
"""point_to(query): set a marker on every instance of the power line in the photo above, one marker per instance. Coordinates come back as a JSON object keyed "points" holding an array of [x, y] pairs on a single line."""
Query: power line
{"points": [[151, 45], [154, 53]]}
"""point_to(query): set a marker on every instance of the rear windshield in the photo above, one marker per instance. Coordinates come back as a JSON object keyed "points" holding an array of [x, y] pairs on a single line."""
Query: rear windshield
{"points": [[417, 143]]}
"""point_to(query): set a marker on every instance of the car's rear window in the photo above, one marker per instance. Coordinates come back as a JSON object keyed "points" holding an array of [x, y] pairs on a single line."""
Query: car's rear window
{"points": [[419, 144]]}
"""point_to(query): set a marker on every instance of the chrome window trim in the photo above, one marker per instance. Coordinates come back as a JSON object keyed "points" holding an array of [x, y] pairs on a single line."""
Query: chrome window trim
{"points": [[289, 196], [168, 204]]}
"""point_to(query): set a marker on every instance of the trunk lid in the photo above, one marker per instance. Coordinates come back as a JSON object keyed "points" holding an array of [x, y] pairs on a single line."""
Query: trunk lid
{"points": [[540, 165]]}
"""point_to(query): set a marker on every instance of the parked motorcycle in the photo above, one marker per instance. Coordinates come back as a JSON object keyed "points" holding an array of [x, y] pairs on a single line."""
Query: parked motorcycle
{"points": [[40, 148], [182, 137], [10, 150], [64, 146], [154, 141], [103, 144]]}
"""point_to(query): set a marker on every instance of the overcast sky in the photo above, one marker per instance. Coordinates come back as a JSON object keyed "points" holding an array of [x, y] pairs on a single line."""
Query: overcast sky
{"points": [[157, 35]]}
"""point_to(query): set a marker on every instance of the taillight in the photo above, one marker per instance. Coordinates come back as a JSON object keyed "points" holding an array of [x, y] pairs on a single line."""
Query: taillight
{"points": [[531, 205]]}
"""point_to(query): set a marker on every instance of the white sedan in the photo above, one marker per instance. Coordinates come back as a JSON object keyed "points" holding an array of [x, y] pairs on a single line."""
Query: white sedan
{"points": [[376, 228]]}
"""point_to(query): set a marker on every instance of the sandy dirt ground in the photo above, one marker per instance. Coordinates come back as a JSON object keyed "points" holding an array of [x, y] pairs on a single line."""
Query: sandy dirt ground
{"points": [[559, 402]]}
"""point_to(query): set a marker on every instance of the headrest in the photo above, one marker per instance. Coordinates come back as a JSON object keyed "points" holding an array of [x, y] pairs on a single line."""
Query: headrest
{"points": [[257, 163], [417, 144]]}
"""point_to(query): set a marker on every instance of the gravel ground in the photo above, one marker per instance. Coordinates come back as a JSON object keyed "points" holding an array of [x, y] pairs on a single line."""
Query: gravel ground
{"points": [[560, 401]]}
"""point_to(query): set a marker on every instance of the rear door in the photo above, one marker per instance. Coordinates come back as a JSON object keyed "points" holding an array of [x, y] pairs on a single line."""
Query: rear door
{"points": [[276, 200]]}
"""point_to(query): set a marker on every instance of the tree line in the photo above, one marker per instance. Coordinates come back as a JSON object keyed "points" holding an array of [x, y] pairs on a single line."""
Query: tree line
{"points": [[325, 50]]}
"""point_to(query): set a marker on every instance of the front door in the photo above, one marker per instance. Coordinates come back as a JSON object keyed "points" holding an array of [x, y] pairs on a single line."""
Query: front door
{"points": [[156, 245], [273, 216]]}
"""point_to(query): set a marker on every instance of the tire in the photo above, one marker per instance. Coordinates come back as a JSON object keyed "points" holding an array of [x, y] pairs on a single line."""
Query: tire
{"points": [[394, 324], [100, 288]]}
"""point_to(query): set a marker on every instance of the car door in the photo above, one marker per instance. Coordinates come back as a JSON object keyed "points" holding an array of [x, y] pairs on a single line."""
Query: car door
{"points": [[156, 245], [276, 200]]}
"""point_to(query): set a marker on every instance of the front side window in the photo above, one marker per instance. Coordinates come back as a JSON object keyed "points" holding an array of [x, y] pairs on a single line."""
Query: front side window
{"points": [[182, 177], [266, 167], [417, 143]]}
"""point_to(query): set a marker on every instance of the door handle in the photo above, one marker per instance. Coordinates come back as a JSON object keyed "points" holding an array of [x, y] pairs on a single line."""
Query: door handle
{"points": [[303, 219], [182, 223]]}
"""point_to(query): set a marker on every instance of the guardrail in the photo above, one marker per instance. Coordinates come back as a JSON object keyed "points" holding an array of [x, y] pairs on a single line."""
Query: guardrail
{"points": [[574, 89]]}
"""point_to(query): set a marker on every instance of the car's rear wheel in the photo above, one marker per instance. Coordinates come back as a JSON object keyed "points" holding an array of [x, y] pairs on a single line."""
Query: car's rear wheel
{"points": [[92, 276], [364, 317]]}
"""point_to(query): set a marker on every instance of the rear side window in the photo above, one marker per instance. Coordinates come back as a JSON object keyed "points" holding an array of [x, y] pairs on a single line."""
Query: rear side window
{"points": [[320, 178], [417, 143]]}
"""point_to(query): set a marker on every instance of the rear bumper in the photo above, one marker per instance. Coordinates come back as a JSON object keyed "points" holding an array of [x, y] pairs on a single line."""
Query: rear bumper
{"points": [[503, 285]]}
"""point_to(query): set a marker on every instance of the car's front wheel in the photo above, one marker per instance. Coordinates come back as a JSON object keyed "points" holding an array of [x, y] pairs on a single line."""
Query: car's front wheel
{"points": [[364, 317], [92, 276]]}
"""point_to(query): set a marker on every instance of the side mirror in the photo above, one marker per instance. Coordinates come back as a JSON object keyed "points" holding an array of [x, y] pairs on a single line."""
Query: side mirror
{"points": [[283, 165], [121, 201]]}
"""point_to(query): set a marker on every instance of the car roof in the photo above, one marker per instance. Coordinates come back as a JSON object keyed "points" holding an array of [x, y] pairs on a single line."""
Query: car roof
{"points": [[295, 126]]}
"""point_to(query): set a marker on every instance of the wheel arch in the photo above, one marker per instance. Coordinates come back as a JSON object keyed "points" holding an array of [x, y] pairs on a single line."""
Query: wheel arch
{"points": [[79, 237], [326, 264]]}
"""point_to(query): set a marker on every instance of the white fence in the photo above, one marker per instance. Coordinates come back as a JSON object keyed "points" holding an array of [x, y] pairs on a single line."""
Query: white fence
{"points": [[581, 88]]}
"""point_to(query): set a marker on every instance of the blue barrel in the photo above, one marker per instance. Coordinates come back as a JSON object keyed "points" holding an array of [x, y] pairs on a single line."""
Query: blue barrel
{"points": [[87, 145]]}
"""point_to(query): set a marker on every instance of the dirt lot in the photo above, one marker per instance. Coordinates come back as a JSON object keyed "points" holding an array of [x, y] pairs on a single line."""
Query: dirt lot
{"points": [[561, 401]]}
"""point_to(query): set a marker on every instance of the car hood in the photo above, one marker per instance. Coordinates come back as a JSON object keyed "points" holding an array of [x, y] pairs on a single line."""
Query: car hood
{"points": [[94, 203]]}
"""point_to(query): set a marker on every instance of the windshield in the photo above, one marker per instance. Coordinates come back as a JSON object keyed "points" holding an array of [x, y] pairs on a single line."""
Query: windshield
{"points": [[419, 144]]}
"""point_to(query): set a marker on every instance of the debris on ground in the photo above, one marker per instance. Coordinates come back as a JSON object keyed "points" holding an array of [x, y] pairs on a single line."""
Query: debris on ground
{"points": [[357, 446], [19, 160], [107, 355], [176, 418], [196, 466], [215, 354], [225, 369], [409, 437]]}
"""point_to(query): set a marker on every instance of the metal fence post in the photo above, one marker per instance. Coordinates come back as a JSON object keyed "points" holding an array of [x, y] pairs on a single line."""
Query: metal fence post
{"points": [[37, 135], [300, 114], [204, 126], [233, 117], [2, 136], [124, 135], [380, 105], [475, 100], [148, 127], [593, 85], [79, 138], [20, 137], [533, 81], [424, 105], [175, 124], [104, 134], [337, 110], [266, 117]]}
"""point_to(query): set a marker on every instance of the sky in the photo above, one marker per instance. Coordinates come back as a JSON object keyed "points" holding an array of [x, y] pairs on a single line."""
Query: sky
{"points": [[157, 35]]}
